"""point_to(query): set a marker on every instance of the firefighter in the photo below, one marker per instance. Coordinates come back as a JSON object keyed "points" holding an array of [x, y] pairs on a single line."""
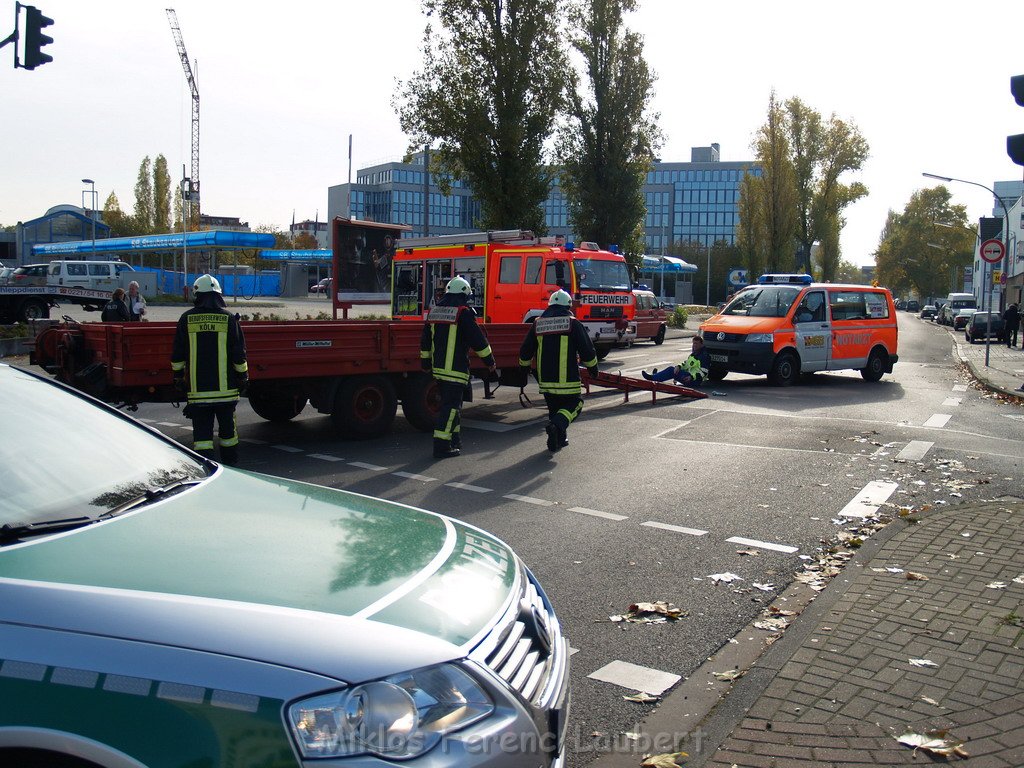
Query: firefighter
{"points": [[557, 339], [209, 347], [448, 335]]}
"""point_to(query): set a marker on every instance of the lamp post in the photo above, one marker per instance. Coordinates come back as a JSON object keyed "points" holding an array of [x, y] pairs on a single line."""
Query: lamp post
{"points": [[984, 268], [92, 213]]}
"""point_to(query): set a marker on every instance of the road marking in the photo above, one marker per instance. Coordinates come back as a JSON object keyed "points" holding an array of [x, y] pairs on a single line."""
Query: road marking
{"points": [[938, 420], [870, 498], [682, 424], [675, 528], [598, 513], [952, 401], [529, 500], [364, 465], [494, 426], [763, 544], [915, 450], [466, 487], [145, 421], [414, 476], [635, 677], [959, 387], [325, 457], [287, 448]]}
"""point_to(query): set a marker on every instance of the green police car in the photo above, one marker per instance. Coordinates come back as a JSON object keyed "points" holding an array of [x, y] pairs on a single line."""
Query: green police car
{"points": [[159, 610]]}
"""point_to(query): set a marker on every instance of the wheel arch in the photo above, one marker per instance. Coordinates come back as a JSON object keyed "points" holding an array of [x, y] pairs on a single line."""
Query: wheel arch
{"points": [[73, 749]]}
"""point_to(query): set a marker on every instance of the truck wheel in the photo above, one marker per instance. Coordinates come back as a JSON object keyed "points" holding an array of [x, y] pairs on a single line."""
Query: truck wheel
{"points": [[276, 406], [785, 370], [33, 309], [660, 338], [717, 372], [365, 406], [875, 367], [421, 401]]}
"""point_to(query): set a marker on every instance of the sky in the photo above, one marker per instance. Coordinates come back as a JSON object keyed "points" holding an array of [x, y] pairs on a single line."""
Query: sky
{"points": [[282, 87]]}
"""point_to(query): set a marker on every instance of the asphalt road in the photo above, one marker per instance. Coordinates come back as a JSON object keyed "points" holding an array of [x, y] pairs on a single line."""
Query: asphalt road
{"points": [[643, 503]]}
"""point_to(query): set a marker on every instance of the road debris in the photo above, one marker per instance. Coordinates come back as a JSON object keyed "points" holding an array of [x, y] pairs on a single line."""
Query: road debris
{"points": [[724, 578], [730, 675], [937, 742], [642, 698], [915, 576], [650, 613], [922, 663], [665, 760]]}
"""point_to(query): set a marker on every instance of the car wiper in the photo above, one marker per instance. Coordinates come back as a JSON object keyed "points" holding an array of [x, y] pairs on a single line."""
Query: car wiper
{"points": [[149, 496], [14, 531]]}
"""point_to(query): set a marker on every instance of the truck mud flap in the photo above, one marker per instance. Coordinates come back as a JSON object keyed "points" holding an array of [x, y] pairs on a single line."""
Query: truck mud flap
{"points": [[92, 379]]}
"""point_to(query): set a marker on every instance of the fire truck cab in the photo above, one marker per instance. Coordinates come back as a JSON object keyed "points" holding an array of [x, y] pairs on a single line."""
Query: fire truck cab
{"points": [[512, 274]]}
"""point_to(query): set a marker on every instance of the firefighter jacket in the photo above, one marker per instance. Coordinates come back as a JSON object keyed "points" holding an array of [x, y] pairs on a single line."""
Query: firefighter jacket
{"points": [[557, 339], [209, 345], [448, 335]]}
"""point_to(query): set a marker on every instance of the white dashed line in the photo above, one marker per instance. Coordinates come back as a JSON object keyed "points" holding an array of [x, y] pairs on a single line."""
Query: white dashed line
{"points": [[598, 513], [529, 500], [762, 544], [959, 387], [325, 457], [414, 476], [674, 528], [287, 448], [952, 402], [915, 450], [635, 677], [938, 420], [466, 487], [364, 465], [870, 498], [145, 421]]}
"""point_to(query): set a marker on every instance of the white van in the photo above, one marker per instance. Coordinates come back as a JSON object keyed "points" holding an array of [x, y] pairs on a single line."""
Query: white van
{"points": [[94, 275]]}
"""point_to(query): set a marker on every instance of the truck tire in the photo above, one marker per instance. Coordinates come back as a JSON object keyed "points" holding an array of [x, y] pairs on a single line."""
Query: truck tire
{"points": [[33, 309], [421, 401], [785, 370], [278, 407], [364, 406]]}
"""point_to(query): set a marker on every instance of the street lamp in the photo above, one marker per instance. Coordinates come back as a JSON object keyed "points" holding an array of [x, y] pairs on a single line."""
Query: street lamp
{"points": [[92, 214], [1006, 245]]}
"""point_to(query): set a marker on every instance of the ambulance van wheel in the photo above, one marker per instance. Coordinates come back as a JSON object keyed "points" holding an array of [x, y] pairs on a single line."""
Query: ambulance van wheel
{"points": [[875, 367], [421, 401], [365, 406], [717, 372], [785, 370]]}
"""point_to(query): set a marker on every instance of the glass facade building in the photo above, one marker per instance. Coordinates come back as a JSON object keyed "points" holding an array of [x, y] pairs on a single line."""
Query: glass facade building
{"points": [[686, 202]]}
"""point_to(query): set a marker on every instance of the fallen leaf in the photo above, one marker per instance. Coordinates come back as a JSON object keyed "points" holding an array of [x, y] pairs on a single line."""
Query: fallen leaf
{"points": [[666, 760], [642, 698], [937, 742], [914, 576]]}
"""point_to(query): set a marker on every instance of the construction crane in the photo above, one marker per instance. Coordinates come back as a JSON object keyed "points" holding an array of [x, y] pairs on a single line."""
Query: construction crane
{"points": [[191, 191]]}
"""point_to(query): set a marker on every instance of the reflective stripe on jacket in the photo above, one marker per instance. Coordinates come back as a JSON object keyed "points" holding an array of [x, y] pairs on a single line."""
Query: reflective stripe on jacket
{"points": [[209, 344], [447, 337], [560, 344]]}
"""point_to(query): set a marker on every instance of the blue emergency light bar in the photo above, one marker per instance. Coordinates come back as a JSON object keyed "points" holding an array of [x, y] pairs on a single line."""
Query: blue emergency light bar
{"points": [[785, 280]]}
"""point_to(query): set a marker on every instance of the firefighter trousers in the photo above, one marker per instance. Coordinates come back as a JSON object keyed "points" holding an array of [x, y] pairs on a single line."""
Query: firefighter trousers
{"points": [[563, 409], [449, 418], [202, 430]]}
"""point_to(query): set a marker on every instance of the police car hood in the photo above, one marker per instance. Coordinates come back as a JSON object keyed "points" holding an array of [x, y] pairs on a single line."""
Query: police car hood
{"points": [[302, 576]]}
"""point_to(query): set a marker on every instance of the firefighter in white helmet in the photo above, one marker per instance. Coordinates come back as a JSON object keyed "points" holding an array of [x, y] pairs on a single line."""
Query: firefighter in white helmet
{"points": [[448, 335], [560, 344], [209, 361]]}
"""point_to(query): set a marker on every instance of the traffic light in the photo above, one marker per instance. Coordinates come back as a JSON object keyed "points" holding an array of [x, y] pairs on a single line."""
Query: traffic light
{"points": [[1015, 144], [35, 22]]}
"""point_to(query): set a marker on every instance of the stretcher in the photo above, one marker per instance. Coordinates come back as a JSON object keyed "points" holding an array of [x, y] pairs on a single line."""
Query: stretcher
{"points": [[627, 384]]}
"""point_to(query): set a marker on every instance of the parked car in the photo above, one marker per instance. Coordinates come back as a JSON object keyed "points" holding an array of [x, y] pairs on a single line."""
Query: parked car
{"points": [[961, 318], [5, 274], [651, 317], [29, 275], [927, 311], [324, 286], [157, 609], [982, 323], [913, 305]]}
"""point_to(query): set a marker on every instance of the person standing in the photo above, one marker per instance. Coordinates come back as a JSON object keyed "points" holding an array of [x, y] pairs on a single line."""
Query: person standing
{"points": [[1011, 322], [116, 310], [448, 335], [209, 348], [560, 344], [136, 301]]}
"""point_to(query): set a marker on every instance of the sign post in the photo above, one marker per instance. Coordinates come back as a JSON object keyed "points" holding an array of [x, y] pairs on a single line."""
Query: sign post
{"points": [[992, 252]]}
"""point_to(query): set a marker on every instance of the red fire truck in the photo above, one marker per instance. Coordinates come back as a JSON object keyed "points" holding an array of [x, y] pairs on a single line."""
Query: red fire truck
{"points": [[513, 273]]}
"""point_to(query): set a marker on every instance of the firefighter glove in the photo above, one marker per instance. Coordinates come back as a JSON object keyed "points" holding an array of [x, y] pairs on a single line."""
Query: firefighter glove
{"points": [[179, 381], [593, 371]]}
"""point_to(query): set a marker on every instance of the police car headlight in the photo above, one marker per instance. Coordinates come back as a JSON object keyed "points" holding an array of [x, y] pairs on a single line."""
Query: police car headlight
{"points": [[760, 337], [399, 717]]}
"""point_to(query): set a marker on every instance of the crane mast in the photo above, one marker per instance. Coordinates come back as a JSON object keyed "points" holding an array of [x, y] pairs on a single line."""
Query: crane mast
{"points": [[193, 194]]}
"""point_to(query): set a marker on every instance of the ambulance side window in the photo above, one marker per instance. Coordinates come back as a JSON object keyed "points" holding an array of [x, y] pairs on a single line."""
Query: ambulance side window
{"points": [[848, 305], [508, 273], [811, 309], [532, 270]]}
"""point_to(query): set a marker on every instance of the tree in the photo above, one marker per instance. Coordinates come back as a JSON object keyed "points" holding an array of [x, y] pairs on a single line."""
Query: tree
{"points": [[751, 246], [121, 224], [161, 195], [304, 241], [487, 95], [144, 210], [609, 144]]}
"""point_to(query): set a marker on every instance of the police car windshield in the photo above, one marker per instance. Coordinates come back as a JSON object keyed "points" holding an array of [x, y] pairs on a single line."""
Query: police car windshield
{"points": [[600, 275], [763, 301]]}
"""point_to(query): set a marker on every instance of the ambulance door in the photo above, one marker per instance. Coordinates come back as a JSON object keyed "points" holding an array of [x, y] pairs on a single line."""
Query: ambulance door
{"points": [[813, 331], [508, 292]]}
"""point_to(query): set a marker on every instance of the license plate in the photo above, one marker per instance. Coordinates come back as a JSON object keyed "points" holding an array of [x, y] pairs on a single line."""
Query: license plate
{"points": [[718, 358], [607, 329]]}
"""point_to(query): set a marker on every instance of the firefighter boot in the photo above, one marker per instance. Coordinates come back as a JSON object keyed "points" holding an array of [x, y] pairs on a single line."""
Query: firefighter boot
{"points": [[555, 437], [207, 453], [443, 449], [457, 441]]}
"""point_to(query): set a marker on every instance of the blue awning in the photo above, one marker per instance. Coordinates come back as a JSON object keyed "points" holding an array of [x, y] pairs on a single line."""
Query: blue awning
{"points": [[657, 264], [307, 255], [213, 238]]}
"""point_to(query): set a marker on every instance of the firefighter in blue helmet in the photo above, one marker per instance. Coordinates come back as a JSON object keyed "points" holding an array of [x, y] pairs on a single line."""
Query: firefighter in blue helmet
{"points": [[209, 349], [560, 344], [448, 335]]}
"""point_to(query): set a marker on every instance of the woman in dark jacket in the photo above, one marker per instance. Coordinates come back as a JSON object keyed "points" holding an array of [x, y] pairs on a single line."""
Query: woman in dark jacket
{"points": [[116, 310]]}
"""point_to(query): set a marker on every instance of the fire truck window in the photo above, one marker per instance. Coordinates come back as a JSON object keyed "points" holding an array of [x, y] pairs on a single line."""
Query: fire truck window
{"points": [[510, 269], [407, 299], [532, 270], [554, 274]]}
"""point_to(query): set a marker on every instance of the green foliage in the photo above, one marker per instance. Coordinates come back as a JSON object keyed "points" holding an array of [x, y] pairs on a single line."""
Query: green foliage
{"points": [[724, 257], [161, 196], [145, 211], [487, 95], [16, 331], [678, 318], [609, 143]]}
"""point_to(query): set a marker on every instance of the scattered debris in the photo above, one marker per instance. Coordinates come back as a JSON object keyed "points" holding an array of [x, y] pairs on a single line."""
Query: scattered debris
{"points": [[642, 698], [930, 700], [922, 663], [751, 552], [724, 578], [763, 587], [937, 742], [732, 674], [666, 760], [996, 585], [773, 624], [915, 576], [650, 613]]}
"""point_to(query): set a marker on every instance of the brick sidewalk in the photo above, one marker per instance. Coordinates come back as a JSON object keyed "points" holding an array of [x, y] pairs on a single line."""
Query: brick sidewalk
{"points": [[849, 690]]}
